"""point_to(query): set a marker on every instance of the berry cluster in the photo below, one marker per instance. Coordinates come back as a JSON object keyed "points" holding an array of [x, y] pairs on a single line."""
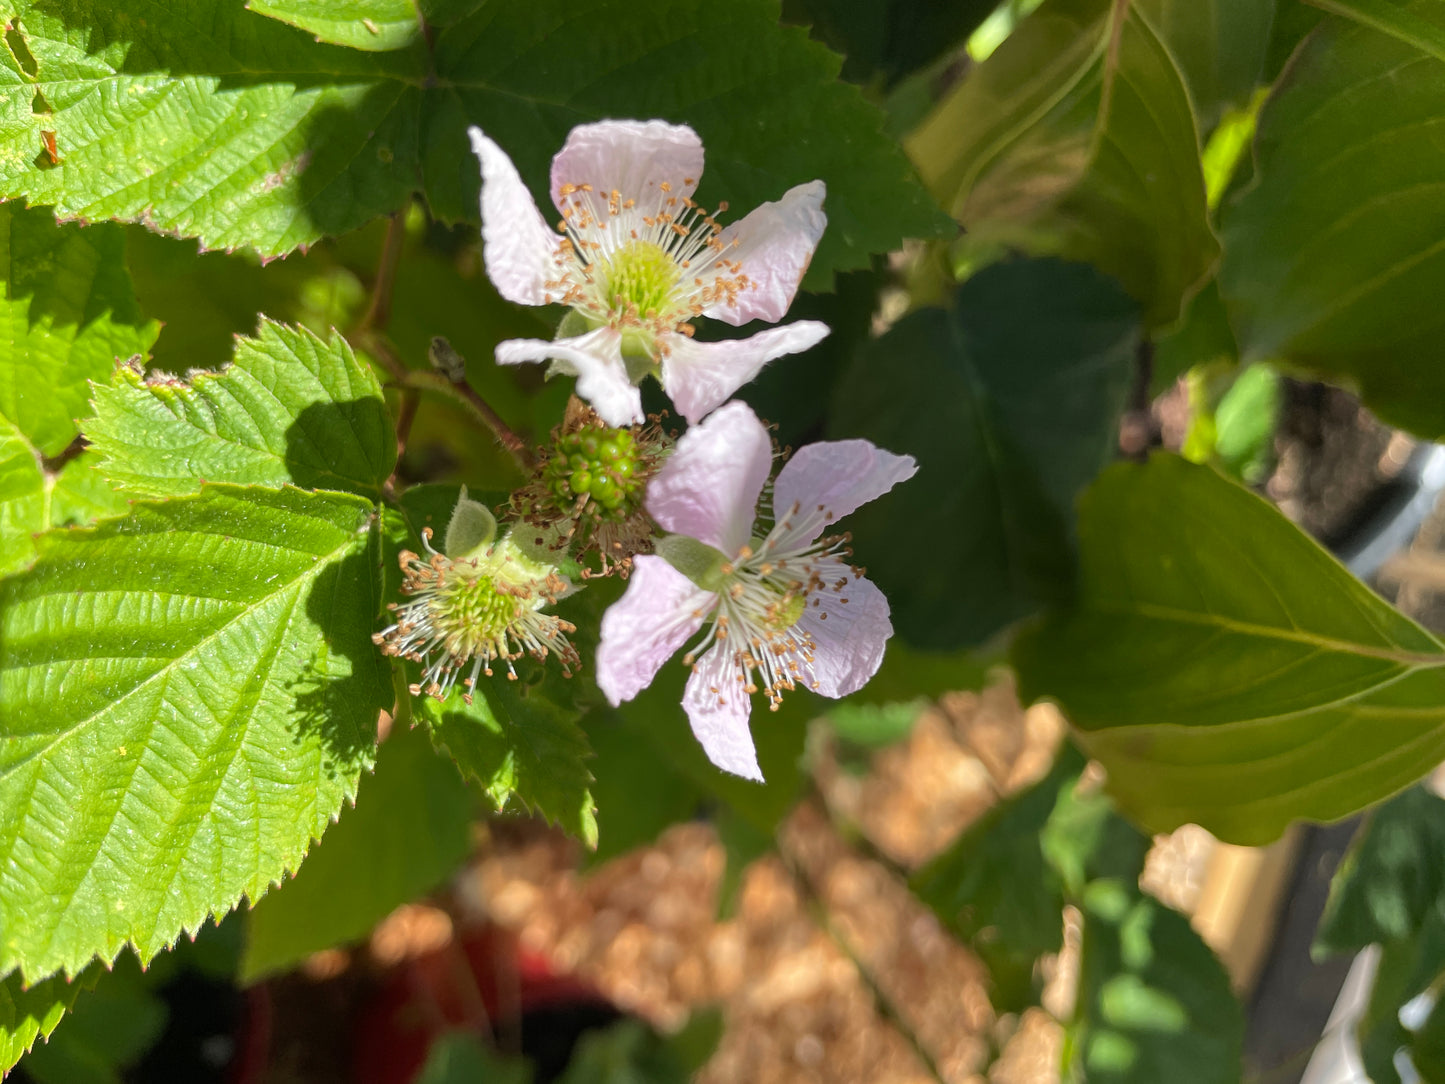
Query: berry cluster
{"points": [[598, 464]]}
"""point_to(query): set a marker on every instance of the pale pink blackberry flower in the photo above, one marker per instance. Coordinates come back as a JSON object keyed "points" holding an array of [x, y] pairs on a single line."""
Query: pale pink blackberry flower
{"points": [[779, 606], [638, 261]]}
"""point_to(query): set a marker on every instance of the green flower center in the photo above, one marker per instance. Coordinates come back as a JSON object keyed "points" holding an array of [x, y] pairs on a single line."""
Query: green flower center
{"points": [[599, 463], [785, 612], [472, 616], [640, 277]]}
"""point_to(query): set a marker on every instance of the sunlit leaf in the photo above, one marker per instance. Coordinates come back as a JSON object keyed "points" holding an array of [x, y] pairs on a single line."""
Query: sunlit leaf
{"points": [[291, 407], [202, 118], [67, 315], [191, 692], [30, 1013], [1224, 668], [373, 25]]}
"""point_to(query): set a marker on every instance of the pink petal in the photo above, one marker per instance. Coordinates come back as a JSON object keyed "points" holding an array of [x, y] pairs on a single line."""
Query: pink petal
{"points": [[631, 157], [850, 639], [700, 376], [775, 246], [645, 627], [518, 245], [596, 359], [840, 475], [709, 487], [718, 710]]}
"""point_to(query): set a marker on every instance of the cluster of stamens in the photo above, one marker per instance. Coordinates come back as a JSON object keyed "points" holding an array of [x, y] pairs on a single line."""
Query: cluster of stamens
{"points": [[479, 610], [646, 270], [766, 590]]}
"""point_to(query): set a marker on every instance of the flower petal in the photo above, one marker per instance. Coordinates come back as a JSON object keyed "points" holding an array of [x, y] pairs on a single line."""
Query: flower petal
{"points": [[700, 376], [718, 710], [709, 487], [645, 627], [596, 359], [851, 638], [518, 245], [839, 475], [775, 245], [631, 157]]}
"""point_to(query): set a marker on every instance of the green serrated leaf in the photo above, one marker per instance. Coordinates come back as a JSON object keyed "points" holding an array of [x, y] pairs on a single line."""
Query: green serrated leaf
{"points": [[1224, 668], [110, 1029], [29, 1014], [409, 830], [22, 498], [191, 693], [1345, 279], [32, 499], [1076, 138], [372, 25], [516, 740], [1010, 403], [68, 313], [298, 139], [291, 407], [80, 494]]}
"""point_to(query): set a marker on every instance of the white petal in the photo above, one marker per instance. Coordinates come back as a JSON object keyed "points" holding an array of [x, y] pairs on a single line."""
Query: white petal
{"points": [[517, 244], [698, 377], [775, 245], [718, 709], [645, 627], [840, 475], [596, 358], [709, 487], [631, 157], [851, 638]]}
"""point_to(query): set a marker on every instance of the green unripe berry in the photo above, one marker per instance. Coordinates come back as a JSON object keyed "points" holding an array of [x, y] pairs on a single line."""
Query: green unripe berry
{"points": [[606, 491]]}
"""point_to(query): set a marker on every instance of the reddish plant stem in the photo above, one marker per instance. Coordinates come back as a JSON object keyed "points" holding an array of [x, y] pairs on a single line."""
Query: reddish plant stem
{"points": [[406, 414], [378, 312]]}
